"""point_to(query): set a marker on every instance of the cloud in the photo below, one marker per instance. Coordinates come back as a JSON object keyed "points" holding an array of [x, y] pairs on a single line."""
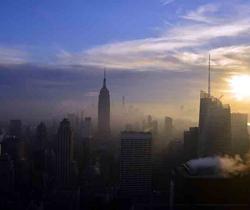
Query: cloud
{"points": [[181, 47], [166, 2], [12, 56], [202, 13]]}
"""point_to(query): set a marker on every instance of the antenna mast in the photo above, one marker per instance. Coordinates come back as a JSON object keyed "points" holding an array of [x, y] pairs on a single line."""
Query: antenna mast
{"points": [[209, 77]]}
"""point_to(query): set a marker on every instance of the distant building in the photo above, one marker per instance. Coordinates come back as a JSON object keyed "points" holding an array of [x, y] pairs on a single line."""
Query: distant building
{"points": [[87, 128], [150, 125], [15, 128], [64, 154], [74, 120], [82, 150], [136, 163], [214, 126], [41, 135], [168, 127], [39, 157], [104, 111], [191, 143], [240, 136]]}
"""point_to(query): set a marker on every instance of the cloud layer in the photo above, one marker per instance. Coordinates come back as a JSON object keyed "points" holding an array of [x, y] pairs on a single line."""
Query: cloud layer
{"points": [[181, 47]]}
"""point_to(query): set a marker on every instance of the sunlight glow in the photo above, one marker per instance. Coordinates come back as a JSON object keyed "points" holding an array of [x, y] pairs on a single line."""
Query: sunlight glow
{"points": [[240, 86]]}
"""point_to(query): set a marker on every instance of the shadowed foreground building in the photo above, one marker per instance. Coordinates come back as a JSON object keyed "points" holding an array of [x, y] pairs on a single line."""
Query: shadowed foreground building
{"points": [[204, 187], [136, 164], [191, 143]]}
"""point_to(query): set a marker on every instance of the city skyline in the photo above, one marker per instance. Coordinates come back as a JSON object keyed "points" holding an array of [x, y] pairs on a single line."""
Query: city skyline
{"points": [[125, 105], [156, 59]]}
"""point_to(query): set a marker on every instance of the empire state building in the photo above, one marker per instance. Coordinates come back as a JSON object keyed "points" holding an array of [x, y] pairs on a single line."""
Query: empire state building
{"points": [[104, 110]]}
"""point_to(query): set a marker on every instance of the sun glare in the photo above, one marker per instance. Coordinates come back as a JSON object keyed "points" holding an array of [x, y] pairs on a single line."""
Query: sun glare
{"points": [[240, 86]]}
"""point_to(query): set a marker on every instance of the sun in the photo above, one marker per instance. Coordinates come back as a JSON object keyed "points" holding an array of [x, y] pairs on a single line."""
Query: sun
{"points": [[240, 86]]}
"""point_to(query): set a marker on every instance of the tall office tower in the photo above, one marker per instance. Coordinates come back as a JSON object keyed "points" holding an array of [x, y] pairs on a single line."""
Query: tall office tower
{"points": [[39, 151], [191, 143], [136, 163], [168, 127], [15, 128], [104, 111], [240, 136], [87, 128], [41, 134], [214, 126], [64, 154]]}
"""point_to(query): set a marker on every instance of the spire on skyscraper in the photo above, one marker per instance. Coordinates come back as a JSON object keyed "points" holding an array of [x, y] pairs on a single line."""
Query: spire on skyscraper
{"points": [[209, 77], [104, 78]]}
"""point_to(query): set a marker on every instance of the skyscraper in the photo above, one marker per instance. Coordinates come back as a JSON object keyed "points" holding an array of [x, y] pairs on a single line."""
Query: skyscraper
{"points": [[104, 110], [214, 127], [191, 143], [87, 128], [240, 136], [38, 166], [214, 124], [41, 134], [64, 154], [168, 127], [136, 163]]}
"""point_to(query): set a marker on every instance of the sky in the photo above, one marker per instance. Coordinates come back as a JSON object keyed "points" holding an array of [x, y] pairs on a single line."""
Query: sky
{"points": [[52, 54]]}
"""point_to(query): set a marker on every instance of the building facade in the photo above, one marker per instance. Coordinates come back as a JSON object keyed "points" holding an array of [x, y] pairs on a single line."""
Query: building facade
{"points": [[214, 127], [240, 136], [136, 163], [64, 154]]}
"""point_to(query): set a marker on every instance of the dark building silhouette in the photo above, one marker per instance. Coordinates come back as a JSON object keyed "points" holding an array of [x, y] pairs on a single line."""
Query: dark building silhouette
{"points": [[191, 143], [87, 128], [39, 156], [136, 163], [240, 136], [64, 154], [41, 135], [201, 186], [104, 111], [15, 128], [7, 174], [214, 126], [168, 127], [11, 146]]}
